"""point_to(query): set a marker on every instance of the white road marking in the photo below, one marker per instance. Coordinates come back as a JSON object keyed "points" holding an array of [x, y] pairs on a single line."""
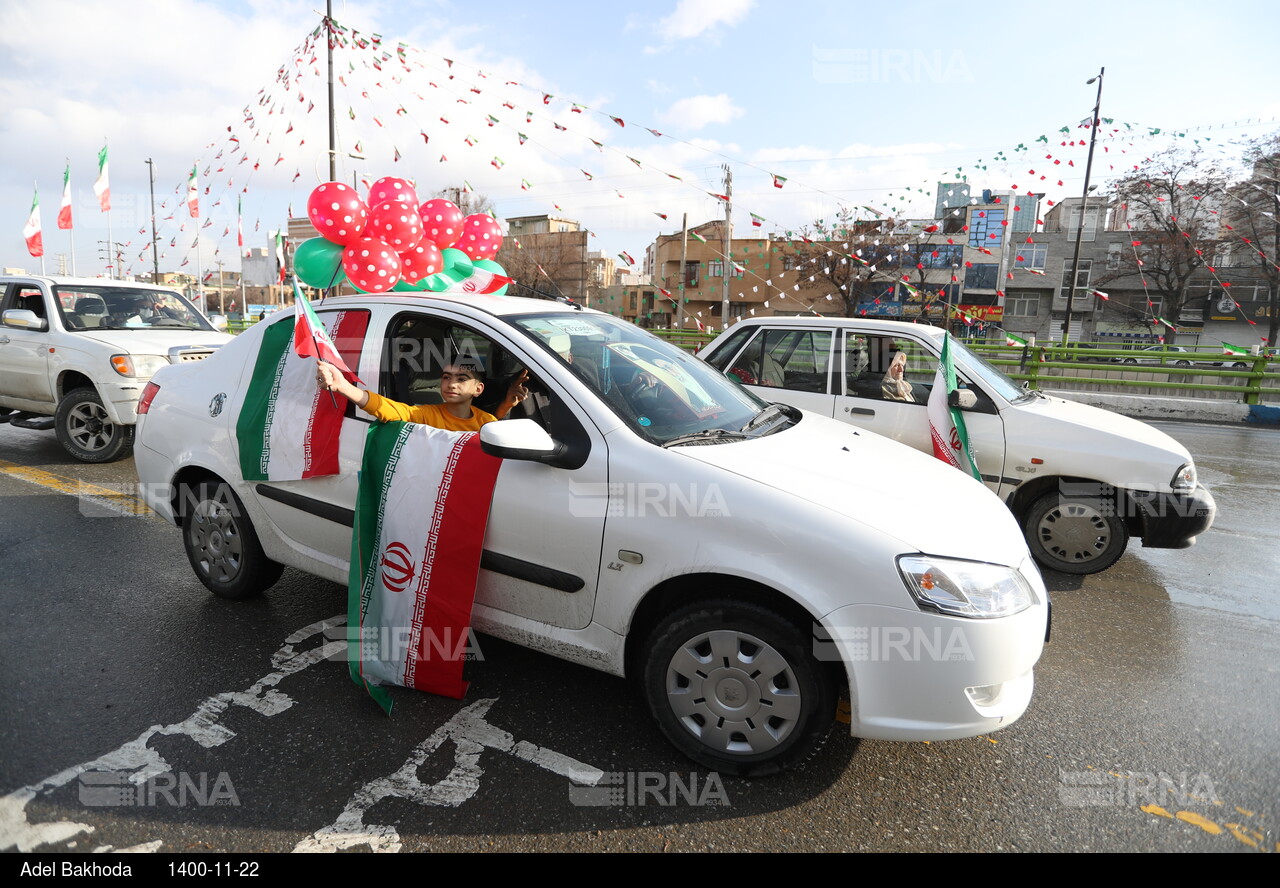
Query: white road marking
{"points": [[471, 734], [136, 756]]}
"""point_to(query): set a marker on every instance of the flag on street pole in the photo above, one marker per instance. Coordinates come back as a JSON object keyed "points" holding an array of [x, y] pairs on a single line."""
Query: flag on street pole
{"points": [[31, 231], [102, 187], [287, 428], [946, 424], [193, 195], [279, 236], [240, 224], [1015, 341], [1229, 349], [421, 510], [64, 212]]}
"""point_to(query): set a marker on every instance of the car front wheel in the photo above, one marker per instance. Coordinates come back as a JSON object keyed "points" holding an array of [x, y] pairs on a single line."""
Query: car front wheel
{"points": [[87, 432], [222, 546], [1075, 535], [735, 687]]}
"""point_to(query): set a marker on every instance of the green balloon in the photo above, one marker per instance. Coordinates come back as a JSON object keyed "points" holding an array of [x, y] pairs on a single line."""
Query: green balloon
{"points": [[318, 263]]}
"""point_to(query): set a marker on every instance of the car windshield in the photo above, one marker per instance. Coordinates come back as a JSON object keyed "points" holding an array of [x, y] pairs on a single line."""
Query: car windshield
{"points": [[993, 377], [662, 392], [106, 307]]}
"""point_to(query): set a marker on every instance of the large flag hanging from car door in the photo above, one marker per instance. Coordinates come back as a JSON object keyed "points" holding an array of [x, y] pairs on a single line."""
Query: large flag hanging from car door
{"points": [[946, 424], [288, 429], [421, 512]]}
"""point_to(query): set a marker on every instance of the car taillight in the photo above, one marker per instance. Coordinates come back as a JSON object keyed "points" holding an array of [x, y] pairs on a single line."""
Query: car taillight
{"points": [[148, 393]]}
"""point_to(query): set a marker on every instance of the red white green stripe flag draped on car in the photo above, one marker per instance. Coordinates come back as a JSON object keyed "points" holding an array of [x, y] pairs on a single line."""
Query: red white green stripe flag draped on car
{"points": [[421, 512], [288, 428], [946, 424]]}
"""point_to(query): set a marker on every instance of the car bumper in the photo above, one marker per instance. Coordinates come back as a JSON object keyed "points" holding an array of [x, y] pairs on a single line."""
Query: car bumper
{"points": [[120, 400], [922, 676], [1174, 520]]}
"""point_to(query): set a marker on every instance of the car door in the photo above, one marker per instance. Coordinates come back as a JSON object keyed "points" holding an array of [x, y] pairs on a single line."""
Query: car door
{"points": [[790, 364], [24, 352], [901, 411]]}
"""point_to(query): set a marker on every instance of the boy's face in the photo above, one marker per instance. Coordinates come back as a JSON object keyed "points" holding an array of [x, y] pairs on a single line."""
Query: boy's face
{"points": [[459, 385]]}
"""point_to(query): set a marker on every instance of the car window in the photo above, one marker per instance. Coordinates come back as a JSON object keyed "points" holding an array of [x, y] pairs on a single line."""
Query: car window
{"points": [[730, 347], [659, 390], [26, 298], [868, 358], [792, 359]]}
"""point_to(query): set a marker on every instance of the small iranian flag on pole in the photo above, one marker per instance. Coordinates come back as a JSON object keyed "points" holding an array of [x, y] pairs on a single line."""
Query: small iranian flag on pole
{"points": [[479, 282], [699, 238], [193, 195], [64, 212], [946, 424], [287, 428], [1229, 349], [421, 511], [102, 187], [240, 223], [1015, 341], [311, 339], [31, 231]]}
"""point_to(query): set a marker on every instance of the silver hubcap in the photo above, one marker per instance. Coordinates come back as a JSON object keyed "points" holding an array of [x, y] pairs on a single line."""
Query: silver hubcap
{"points": [[89, 427], [733, 692], [1074, 532], [216, 540]]}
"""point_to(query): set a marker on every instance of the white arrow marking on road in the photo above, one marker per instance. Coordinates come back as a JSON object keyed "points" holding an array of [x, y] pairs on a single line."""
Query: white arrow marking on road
{"points": [[470, 733], [144, 762]]}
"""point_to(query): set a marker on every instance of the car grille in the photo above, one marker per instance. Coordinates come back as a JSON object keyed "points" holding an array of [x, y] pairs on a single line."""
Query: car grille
{"points": [[184, 356]]}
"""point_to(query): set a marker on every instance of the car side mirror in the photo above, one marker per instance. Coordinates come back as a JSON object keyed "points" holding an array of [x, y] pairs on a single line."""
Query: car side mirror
{"points": [[25, 319], [519, 439], [965, 399]]}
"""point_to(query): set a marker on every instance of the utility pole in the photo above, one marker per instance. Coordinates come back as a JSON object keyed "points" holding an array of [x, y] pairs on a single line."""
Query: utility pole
{"points": [[1084, 206], [155, 250], [333, 132], [684, 257], [728, 245]]}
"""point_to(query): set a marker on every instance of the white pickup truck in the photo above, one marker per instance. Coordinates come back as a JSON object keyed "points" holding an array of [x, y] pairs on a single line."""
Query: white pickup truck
{"points": [[75, 354]]}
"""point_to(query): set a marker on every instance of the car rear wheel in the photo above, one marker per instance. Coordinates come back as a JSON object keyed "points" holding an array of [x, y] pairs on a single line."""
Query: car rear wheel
{"points": [[1182, 363], [86, 431], [222, 545], [1075, 534], [735, 687]]}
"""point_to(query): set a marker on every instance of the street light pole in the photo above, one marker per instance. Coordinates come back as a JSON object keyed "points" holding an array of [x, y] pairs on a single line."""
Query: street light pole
{"points": [[1084, 205], [155, 250]]}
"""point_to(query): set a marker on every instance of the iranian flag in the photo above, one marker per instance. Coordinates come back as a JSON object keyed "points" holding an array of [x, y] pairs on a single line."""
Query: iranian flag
{"points": [[946, 424], [64, 212], [102, 187], [311, 339], [423, 491], [193, 195], [480, 281], [288, 429], [699, 238], [1239, 351], [240, 223], [31, 231], [1014, 341]]}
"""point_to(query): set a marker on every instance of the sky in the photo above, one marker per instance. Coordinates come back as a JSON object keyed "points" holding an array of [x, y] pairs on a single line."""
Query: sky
{"points": [[855, 106]]}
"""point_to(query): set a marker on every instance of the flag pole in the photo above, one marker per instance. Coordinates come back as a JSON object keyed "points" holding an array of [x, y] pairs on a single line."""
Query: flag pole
{"points": [[71, 233]]}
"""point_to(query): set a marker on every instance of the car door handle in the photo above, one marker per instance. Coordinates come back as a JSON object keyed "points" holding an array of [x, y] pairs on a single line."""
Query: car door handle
{"points": [[861, 411]]}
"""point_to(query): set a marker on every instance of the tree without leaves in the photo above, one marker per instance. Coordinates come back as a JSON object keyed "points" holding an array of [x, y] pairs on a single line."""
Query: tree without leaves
{"points": [[1252, 222], [1171, 208]]}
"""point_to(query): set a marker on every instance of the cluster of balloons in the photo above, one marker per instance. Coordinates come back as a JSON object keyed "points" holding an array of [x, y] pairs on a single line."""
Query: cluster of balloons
{"points": [[388, 242]]}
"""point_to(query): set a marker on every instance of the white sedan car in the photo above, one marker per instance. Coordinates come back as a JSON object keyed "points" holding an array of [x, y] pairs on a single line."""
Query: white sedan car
{"points": [[745, 563]]}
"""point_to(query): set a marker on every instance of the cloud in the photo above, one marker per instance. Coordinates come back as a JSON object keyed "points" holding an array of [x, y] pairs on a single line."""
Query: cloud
{"points": [[696, 112], [692, 18]]}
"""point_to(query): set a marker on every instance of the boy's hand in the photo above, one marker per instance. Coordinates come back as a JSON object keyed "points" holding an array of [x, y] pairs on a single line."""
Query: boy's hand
{"points": [[518, 391], [327, 376]]}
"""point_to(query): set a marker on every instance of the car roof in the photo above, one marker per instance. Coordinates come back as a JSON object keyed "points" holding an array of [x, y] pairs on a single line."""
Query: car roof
{"points": [[499, 306], [64, 281], [902, 327]]}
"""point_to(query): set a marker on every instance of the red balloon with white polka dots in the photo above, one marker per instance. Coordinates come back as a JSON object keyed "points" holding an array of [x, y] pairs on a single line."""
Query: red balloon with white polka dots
{"points": [[397, 223], [371, 265], [481, 236], [392, 188], [441, 222], [337, 212], [421, 262]]}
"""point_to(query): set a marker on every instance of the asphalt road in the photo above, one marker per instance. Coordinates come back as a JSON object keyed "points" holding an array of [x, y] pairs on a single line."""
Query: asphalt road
{"points": [[1155, 725]]}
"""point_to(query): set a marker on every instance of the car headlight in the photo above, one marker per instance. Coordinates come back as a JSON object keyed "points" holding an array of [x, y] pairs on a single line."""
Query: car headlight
{"points": [[138, 366], [1185, 477], [965, 588]]}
